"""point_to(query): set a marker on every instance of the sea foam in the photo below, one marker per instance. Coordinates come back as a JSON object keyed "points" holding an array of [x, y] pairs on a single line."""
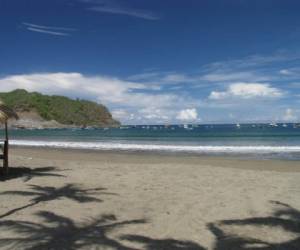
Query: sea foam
{"points": [[159, 148]]}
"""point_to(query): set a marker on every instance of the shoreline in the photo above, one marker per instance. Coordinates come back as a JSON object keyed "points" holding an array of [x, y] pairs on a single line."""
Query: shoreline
{"points": [[286, 153], [120, 156]]}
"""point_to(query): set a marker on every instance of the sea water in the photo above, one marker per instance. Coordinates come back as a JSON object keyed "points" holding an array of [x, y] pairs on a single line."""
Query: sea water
{"points": [[252, 140]]}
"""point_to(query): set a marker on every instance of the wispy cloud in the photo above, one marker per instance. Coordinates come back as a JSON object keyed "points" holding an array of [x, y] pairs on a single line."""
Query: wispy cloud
{"points": [[165, 78], [255, 68], [48, 27], [292, 72], [115, 7], [233, 76], [47, 32], [254, 61], [50, 30]]}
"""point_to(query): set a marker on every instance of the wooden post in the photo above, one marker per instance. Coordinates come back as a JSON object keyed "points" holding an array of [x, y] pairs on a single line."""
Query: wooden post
{"points": [[6, 131], [5, 151]]}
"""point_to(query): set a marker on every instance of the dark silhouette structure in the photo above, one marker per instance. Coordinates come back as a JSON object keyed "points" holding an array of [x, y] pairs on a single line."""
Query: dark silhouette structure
{"points": [[5, 114]]}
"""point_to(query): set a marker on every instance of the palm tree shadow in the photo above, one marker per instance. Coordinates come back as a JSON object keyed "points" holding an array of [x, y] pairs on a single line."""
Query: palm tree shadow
{"points": [[46, 193], [162, 244], [59, 232], [285, 217], [28, 173]]}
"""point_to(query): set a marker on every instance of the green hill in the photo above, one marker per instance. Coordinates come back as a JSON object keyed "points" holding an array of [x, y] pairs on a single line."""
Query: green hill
{"points": [[59, 108]]}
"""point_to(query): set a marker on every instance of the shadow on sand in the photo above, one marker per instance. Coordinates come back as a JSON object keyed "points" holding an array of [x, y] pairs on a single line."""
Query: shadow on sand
{"points": [[59, 232], [28, 173], [45, 194], [285, 218], [54, 231], [162, 244]]}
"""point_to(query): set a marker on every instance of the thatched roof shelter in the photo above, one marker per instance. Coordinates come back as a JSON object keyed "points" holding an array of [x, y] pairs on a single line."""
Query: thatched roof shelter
{"points": [[6, 113]]}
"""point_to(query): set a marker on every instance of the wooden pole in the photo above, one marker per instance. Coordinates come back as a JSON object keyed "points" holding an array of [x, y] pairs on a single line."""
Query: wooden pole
{"points": [[6, 131], [5, 153]]}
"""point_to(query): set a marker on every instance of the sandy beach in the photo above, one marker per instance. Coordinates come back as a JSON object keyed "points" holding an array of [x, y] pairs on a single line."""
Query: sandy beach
{"points": [[68, 199]]}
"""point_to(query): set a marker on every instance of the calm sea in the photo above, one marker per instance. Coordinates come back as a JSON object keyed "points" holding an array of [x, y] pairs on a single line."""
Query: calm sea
{"points": [[252, 140]]}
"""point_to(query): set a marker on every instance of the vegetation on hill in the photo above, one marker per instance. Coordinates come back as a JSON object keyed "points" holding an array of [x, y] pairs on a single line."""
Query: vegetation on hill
{"points": [[59, 108]]}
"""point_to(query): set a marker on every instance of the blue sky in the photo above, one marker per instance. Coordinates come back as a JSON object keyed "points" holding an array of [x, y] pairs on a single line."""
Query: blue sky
{"points": [[171, 61]]}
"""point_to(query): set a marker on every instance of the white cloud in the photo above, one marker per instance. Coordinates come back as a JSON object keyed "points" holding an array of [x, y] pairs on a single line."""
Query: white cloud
{"points": [[128, 100], [120, 114], [149, 115], [101, 88], [156, 114], [187, 115], [289, 115], [247, 91]]}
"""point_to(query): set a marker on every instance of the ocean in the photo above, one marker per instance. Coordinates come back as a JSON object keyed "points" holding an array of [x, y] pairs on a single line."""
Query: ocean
{"points": [[249, 140]]}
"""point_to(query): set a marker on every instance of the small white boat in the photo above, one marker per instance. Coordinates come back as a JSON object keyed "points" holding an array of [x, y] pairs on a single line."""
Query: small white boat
{"points": [[273, 124], [124, 127]]}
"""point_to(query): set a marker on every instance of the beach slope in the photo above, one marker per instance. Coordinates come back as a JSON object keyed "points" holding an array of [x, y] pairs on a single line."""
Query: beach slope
{"points": [[63, 199]]}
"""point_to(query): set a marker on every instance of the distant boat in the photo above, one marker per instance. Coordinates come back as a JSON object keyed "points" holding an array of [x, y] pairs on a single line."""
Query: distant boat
{"points": [[273, 124], [124, 127], [284, 125], [187, 127], [238, 125], [296, 125], [90, 128]]}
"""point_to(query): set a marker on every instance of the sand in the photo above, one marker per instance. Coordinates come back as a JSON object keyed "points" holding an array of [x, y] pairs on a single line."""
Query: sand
{"points": [[67, 199]]}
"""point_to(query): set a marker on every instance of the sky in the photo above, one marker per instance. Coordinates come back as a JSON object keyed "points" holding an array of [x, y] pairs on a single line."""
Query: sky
{"points": [[158, 61]]}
